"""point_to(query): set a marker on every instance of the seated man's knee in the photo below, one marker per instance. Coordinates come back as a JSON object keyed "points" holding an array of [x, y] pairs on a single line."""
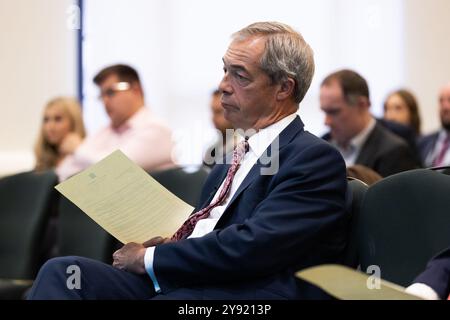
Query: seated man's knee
{"points": [[59, 264]]}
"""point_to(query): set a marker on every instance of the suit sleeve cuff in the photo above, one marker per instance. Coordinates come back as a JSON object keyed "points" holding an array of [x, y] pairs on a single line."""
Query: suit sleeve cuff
{"points": [[423, 291], [148, 262]]}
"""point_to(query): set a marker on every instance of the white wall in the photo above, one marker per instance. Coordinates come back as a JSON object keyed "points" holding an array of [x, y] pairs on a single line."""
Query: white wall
{"points": [[177, 46], [37, 58], [427, 54]]}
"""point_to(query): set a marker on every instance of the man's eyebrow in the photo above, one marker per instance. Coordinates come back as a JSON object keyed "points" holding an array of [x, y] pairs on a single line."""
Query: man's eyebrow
{"points": [[235, 66], [332, 110]]}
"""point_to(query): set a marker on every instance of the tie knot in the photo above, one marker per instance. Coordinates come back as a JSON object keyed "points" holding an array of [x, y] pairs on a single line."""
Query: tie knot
{"points": [[243, 145], [240, 151]]}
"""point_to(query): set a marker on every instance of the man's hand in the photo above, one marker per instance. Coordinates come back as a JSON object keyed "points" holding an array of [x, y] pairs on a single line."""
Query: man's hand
{"points": [[70, 143], [130, 258], [155, 241]]}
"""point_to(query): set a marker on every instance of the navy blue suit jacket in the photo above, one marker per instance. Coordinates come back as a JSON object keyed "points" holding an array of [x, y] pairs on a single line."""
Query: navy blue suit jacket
{"points": [[437, 274], [274, 226], [404, 132]]}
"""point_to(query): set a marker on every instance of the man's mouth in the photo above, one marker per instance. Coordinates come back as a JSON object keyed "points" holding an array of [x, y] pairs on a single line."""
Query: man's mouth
{"points": [[228, 106]]}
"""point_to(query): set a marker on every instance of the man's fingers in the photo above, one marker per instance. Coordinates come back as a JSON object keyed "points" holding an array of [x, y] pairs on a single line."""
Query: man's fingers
{"points": [[116, 265], [153, 242], [116, 254]]}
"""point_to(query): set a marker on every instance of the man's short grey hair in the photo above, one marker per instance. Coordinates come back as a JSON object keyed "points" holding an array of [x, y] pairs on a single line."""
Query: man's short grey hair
{"points": [[286, 54]]}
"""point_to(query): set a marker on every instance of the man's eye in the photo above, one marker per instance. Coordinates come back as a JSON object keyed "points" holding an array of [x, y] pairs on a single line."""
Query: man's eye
{"points": [[239, 77], [332, 113]]}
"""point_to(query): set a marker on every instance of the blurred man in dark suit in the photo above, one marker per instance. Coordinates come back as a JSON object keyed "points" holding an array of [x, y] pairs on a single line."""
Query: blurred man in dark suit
{"points": [[344, 98], [435, 148]]}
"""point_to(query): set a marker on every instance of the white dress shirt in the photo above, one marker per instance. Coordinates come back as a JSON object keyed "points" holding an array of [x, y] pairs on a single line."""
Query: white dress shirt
{"points": [[258, 143], [143, 138], [351, 153]]}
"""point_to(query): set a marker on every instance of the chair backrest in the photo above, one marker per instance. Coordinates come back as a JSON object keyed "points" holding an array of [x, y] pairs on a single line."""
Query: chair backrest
{"points": [[358, 190], [79, 235], [26, 204], [404, 221], [187, 185]]}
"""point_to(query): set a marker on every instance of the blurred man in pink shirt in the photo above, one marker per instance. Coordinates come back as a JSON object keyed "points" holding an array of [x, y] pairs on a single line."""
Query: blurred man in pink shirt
{"points": [[133, 129]]}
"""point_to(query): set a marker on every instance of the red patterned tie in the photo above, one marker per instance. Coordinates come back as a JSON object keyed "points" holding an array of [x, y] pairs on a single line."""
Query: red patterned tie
{"points": [[188, 226]]}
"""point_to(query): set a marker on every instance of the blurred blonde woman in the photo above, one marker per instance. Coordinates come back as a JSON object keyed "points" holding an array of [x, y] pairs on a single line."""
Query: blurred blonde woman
{"points": [[61, 132]]}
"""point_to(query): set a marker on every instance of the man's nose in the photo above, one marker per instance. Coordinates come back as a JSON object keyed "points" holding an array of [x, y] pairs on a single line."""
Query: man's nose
{"points": [[107, 106], [106, 102], [225, 86], [445, 104], [104, 99], [328, 120]]}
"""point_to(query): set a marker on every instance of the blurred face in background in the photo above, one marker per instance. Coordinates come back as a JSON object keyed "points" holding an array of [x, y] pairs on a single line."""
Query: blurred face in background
{"points": [[344, 120], [444, 103], [121, 99], [57, 124], [396, 110]]}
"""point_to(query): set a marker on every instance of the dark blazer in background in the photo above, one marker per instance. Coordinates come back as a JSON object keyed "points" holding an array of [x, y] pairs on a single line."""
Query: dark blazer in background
{"points": [[385, 152], [426, 145], [274, 226], [437, 274], [406, 133]]}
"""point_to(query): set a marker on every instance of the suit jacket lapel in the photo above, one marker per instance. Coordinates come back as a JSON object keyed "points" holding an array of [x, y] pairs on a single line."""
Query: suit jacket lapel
{"points": [[284, 138], [220, 177], [365, 155]]}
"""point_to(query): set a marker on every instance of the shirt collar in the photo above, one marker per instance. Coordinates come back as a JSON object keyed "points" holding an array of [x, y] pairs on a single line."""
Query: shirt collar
{"points": [[358, 141], [261, 140], [443, 135], [134, 120]]}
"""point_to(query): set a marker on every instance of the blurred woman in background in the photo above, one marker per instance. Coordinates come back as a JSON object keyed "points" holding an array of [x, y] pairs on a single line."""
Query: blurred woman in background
{"points": [[401, 106], [61, 132]]}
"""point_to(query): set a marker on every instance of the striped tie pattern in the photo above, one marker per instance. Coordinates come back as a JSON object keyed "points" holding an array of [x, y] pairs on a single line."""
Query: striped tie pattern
{"points": [[188, 226]]}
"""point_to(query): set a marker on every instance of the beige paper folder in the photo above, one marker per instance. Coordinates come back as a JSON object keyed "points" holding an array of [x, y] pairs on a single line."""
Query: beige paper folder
{"points": [[125, 200], [348, 284]]}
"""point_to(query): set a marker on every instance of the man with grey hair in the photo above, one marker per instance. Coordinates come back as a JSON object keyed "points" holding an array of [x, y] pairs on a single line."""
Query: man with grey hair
{"points": [[254, 230]]}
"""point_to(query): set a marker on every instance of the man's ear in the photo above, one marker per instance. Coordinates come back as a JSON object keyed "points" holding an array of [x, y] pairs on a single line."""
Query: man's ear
{"points": [[363, 103], [286, 90], [135, 87]]}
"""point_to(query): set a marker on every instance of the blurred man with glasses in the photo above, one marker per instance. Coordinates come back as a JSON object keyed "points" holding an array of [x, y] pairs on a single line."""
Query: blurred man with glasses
{"points": [[132, 129]]}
